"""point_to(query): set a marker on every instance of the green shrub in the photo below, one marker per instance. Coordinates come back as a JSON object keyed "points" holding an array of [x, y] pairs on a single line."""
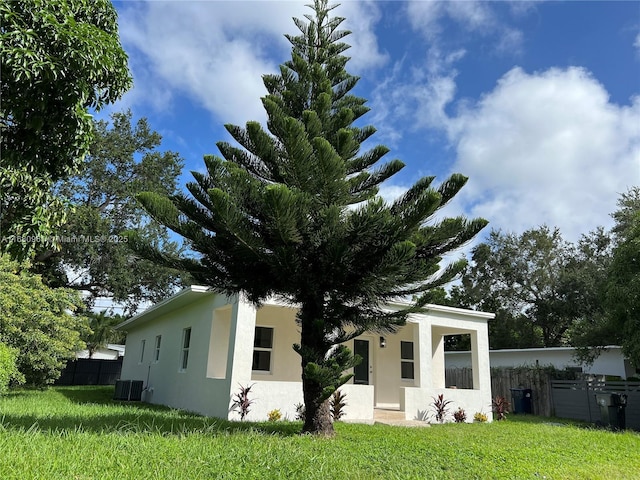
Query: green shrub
{"points": [[274, 415], [480, 417], [8, 368], [460, 415]]}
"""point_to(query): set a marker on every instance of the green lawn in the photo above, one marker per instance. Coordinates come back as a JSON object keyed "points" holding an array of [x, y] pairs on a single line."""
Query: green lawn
{"points": [[80, 433]]}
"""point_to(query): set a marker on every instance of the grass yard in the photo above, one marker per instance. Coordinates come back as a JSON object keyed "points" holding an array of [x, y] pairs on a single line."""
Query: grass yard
{"points": [[80, 433]]}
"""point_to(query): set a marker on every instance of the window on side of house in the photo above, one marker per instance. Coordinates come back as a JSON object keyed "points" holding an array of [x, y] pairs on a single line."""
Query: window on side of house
{"points": [[406, 361], [186, 343], [156, 355], [262, 349], [142, 342]]}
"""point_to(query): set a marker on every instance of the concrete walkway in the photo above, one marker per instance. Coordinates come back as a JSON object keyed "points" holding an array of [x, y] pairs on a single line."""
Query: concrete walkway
{"points": [[396, 418]]}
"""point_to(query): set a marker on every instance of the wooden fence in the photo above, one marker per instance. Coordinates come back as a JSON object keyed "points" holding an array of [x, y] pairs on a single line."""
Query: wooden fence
{"points": [[89, 371], [504, 379]]}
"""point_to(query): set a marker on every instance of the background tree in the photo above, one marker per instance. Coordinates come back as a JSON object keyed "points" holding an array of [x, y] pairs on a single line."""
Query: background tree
{"points": [[522, 279], [58, 59], [621, 291], [39, 322], [294, 212], [102, 331], [584, 282], [93, 257]]}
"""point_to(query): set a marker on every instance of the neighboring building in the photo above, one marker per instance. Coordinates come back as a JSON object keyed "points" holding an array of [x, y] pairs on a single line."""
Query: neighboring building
{"points": [[195, 349], [610, 362], [111, 351]]}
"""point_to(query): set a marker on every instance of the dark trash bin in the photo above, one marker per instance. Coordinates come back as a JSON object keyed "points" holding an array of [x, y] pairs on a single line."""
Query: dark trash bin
{"points": [[521, 400], [612, 409]]}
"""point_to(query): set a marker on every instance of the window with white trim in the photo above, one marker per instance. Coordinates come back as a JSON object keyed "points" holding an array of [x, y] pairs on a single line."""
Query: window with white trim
{"points": [[142, 342], [156, 354], [186, 343], [406, 361], [262, 349]]}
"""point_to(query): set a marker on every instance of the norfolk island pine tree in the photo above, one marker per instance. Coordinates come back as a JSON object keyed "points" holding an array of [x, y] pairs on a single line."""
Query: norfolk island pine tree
{"points": [[293, 212]]}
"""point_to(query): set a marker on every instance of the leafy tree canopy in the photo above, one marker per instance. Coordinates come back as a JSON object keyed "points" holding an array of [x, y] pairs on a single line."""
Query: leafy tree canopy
{"points": [[622, 289], [520, 278], [39, 322], [58, 59], [94, 257], [293, 211]]}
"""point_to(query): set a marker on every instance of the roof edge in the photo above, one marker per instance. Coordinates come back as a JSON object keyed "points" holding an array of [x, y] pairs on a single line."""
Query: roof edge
{"points": [[157, 306]]}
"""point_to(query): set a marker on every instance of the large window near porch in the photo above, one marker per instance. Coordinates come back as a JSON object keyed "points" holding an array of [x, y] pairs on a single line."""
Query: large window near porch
{"points": [[262, 349], [406, 361]]}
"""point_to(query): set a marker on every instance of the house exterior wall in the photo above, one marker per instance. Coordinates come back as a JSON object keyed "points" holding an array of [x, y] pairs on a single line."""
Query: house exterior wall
{"points": [[222, 348], [164, 381], [610, 362], [286, 363], [386, 372], [429, 332]]}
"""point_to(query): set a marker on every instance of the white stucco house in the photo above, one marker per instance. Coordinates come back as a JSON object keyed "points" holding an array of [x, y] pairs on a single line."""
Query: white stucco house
{"points": [[195, 349], [610, 362]]}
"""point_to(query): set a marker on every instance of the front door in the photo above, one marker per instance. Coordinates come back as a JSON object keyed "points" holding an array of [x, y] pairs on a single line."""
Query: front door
{"points": [[361, 371]]}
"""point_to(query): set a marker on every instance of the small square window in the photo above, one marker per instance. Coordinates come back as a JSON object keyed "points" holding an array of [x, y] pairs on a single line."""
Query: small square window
{"points": [[262, 349], [263, 337], [407, 366], [261, 360], [406, 350]]}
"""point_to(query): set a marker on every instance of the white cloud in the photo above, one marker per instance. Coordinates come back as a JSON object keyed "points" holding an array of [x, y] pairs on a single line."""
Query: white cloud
{"points": [[547, 148], [216, 52], [636, 43], [390, 193], [361, 18], [472, 16]]}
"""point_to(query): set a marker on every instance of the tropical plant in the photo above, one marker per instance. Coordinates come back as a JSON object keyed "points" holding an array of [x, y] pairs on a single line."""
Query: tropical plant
{"points": [[459, 416], [242, 402], [337, 404], [480, 417], [500, 407], [274, 415], [440, 407], [299, 411], [102, 331], [296, 205]]}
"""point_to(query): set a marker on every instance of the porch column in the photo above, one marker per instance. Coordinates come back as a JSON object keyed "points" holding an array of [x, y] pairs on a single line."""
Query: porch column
{"points": [[480, 359], [421, 345], [240, 359], [437, 361]]}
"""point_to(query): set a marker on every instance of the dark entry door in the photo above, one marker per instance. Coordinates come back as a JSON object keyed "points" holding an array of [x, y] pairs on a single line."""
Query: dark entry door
{"points": [[361, 372]]}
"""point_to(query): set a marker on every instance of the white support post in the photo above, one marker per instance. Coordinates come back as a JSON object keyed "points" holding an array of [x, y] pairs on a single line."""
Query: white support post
{"points": [[437, 361]]}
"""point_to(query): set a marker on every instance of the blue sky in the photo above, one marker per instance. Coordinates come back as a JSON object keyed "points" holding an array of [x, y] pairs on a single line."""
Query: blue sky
{"points": [[537, 102]]}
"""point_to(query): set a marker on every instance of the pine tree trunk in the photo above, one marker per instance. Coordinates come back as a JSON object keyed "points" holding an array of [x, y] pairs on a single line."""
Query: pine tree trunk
{"points": [[317, 412], [317, 418]]}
